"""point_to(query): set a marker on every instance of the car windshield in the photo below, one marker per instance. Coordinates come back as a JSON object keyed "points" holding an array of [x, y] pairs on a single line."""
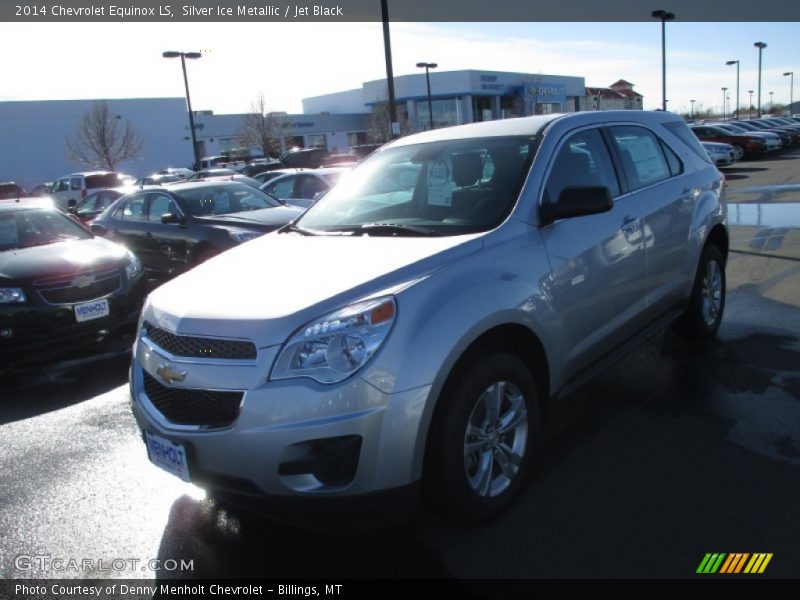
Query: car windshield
{"points": [[27, 228], [223, 199], [437, 188]]}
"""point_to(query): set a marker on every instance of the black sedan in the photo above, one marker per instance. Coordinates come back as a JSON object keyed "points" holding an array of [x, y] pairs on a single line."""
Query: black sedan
{"points": [[172, 229], [62, 290]]}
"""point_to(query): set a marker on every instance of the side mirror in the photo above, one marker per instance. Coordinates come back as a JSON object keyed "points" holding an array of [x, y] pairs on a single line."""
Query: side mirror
{"points": [[171, 219], [577, 202]]}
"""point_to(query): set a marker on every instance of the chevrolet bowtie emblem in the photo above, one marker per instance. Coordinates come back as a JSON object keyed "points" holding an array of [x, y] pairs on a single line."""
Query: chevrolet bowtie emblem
{"points": [[169, 374], [83, 281]]}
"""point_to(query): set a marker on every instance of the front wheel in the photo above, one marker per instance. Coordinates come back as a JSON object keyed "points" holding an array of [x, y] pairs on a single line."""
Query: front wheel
{"points": [[484, 437], [703, 315]]}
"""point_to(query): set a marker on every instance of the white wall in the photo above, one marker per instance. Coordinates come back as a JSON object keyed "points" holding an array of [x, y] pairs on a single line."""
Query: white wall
{"points": [[33, 134]]}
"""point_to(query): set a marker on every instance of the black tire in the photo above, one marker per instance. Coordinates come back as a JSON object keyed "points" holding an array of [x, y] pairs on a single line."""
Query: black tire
{"points": [[701, 320], [452, 473]]}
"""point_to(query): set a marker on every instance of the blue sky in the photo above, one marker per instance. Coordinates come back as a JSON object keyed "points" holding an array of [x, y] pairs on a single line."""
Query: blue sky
{"points": [[289, 61]]}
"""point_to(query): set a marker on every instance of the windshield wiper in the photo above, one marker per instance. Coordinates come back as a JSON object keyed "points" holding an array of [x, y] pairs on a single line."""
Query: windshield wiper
{"points": [[292, 227], [387, 229]]}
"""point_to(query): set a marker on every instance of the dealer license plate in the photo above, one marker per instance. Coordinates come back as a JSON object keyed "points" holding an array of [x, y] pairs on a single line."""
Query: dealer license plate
{"points": [[92, 310], [168, 455]]}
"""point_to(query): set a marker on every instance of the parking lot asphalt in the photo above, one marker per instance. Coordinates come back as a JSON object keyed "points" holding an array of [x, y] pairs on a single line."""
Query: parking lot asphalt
{"points": [[679, 450]]}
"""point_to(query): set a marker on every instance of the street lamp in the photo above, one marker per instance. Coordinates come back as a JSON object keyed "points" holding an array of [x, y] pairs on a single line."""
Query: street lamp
{"points": [[770, 101], [427, 67], [724, 94], [791, 90], [664, 16], [736, 62], [184, 56], [692, 116], [750, 105], [760, 46]]}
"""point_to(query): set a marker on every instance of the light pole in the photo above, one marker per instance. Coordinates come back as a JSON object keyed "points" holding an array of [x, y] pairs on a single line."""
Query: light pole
{"points": [[394, 126], [427, 67], [664, 16], [770, 101], [736, 62], [760, 46], [791, 90], [184, 56], [750, 105], [724, 94], [692, 116]]}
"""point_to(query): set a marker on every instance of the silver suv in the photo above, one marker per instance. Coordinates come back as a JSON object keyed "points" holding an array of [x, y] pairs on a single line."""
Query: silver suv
{"points": [[408, 331]]}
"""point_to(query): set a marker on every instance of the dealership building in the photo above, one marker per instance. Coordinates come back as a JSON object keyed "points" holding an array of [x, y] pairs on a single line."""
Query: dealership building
{"points": [[33, 149]]}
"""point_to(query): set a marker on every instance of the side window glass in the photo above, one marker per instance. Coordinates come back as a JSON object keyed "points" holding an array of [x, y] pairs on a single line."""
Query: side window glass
{"points": [[133, 209], [161, 205], [75, 183], [311, 186], [582, 161], [282, 189], [675, 164], [641, 155]]}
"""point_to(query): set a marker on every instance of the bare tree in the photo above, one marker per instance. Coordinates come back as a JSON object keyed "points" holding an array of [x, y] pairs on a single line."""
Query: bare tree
{"points": [[102, 140], [379, 122], [263, 129]]}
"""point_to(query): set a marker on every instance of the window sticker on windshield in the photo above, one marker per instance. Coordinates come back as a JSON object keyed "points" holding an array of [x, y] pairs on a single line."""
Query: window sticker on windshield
{"points": [[8, 231], [440, 188]]}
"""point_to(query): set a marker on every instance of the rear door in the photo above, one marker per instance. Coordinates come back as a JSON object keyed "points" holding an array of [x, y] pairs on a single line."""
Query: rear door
{"points": [[653, 173], [598, 261]]}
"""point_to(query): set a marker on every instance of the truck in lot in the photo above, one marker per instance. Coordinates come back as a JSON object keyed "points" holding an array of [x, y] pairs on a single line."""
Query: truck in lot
{"points": [[405, 336]]}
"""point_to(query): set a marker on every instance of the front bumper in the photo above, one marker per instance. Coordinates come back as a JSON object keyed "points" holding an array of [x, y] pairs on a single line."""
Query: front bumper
{"points": [[292, 439], [38, 332]]}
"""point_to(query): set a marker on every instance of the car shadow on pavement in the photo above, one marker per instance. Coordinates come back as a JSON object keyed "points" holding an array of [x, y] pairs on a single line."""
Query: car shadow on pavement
{"points": [[35, 390], [220, 545]]}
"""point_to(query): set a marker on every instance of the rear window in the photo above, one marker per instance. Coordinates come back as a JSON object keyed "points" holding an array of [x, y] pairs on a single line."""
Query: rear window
{"points": [[100, 181], [681, 131]]}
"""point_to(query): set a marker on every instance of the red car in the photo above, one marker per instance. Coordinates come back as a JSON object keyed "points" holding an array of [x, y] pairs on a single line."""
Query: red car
{"points": [[751, 144]]}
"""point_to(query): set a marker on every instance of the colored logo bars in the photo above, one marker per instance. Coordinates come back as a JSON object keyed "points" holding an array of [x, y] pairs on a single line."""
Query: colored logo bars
{"points": [[737, 562]]}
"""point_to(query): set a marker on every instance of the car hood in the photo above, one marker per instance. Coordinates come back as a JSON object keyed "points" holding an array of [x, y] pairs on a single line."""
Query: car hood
{"points": [[60, 259], [267, 288], [264, 218]]}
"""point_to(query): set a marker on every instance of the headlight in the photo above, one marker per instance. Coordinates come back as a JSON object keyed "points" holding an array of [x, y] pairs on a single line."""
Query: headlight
{"points": [[241, 237], [334, 347], [133, 268], [12, 296]]}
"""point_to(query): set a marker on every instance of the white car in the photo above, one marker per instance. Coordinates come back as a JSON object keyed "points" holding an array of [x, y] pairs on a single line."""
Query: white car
{"points": [[79, 185], [722, 155]]}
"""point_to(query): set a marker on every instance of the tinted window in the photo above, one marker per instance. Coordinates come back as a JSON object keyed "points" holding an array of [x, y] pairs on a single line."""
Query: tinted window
{"points": [[675, 164], [583, 161], [640, 152], [105, 180], [311, 186], [26, 228], [161, 204], [76, 183], [133, 209], [224, 199]]}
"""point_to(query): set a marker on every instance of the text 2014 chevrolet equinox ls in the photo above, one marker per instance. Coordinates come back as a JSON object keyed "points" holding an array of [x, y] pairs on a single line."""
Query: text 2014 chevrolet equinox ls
{"points": [[408, 331]]}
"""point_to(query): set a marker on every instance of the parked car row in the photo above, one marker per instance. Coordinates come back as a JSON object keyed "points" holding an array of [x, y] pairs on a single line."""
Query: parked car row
{"points": [[750, 138]]}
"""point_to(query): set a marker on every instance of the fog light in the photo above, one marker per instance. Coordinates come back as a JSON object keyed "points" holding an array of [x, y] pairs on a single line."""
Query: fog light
{"points": [[6, 333]]}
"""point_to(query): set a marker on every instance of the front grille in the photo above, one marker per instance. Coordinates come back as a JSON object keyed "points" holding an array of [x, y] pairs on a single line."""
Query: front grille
{"points": [[200, 347], [183, 406], [70, 293]]}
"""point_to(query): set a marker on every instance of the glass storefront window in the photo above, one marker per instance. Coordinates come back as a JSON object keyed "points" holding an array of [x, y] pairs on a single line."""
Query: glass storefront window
{"points": [[446, 112]]}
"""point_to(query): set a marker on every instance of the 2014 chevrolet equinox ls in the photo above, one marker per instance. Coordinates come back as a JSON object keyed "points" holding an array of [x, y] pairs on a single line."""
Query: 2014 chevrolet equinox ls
{"points": [[408, 331]]}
